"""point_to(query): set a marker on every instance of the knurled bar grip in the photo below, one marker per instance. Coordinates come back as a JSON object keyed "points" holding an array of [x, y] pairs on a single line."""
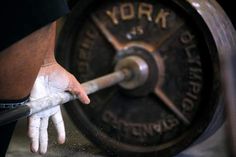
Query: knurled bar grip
{"points": [[64, 97]]}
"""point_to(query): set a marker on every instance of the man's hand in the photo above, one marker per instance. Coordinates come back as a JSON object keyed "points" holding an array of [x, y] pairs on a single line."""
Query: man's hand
{"points": [[52, 78]]}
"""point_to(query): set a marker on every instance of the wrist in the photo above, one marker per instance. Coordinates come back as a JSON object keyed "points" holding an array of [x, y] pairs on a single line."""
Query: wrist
{"points": [[48, 61], [48, 64]]}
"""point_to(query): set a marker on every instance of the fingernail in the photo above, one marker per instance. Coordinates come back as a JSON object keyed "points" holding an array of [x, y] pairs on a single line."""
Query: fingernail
{"points": [[61, 139], [87, 101]]}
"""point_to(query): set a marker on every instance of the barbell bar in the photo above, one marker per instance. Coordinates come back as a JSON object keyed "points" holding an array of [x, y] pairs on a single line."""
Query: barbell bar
{"points": [[63, 97]]}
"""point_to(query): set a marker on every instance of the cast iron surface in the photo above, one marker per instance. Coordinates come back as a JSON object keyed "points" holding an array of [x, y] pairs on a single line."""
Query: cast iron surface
{"points": [[183, 64], [224, 36]]}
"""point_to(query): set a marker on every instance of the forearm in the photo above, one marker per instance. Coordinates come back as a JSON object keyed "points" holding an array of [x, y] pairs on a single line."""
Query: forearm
{"points": [[21, 62], [49, 56]]}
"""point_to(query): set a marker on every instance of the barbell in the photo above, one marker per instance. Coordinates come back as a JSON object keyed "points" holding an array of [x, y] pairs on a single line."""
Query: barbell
{"points": [[171, 59]]}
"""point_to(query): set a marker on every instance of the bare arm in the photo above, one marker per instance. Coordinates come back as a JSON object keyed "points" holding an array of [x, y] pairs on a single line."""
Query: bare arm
{"points": [[21, 62], [29, 66]]}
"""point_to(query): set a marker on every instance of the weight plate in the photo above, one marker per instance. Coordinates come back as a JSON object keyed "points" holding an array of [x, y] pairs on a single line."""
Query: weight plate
{"points": [[183, 71]]}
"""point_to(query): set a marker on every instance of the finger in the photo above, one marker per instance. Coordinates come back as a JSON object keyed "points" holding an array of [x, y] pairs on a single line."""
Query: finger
{"points": [[59, 125], [80, 92], [76, 88], [33, 133], [43, 135], [82, 97]]}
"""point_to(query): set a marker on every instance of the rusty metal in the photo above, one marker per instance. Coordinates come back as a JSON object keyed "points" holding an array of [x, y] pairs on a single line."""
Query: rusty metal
{"points": [[183, 64]]}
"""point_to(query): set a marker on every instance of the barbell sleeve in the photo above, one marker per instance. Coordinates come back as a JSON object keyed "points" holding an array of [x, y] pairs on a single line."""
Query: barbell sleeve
{"points": [[63, 97]]}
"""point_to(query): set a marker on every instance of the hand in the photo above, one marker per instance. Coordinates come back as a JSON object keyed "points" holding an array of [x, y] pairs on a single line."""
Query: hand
{"points": [[51, 79]]}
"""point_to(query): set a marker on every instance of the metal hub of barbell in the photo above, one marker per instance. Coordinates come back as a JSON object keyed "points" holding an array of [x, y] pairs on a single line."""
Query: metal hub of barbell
{"points": [[138, 68], [173, 90], [155, 66]]}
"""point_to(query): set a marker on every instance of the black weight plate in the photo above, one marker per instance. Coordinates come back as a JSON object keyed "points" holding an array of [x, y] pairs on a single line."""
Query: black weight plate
{"points": [[127, 122]]}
